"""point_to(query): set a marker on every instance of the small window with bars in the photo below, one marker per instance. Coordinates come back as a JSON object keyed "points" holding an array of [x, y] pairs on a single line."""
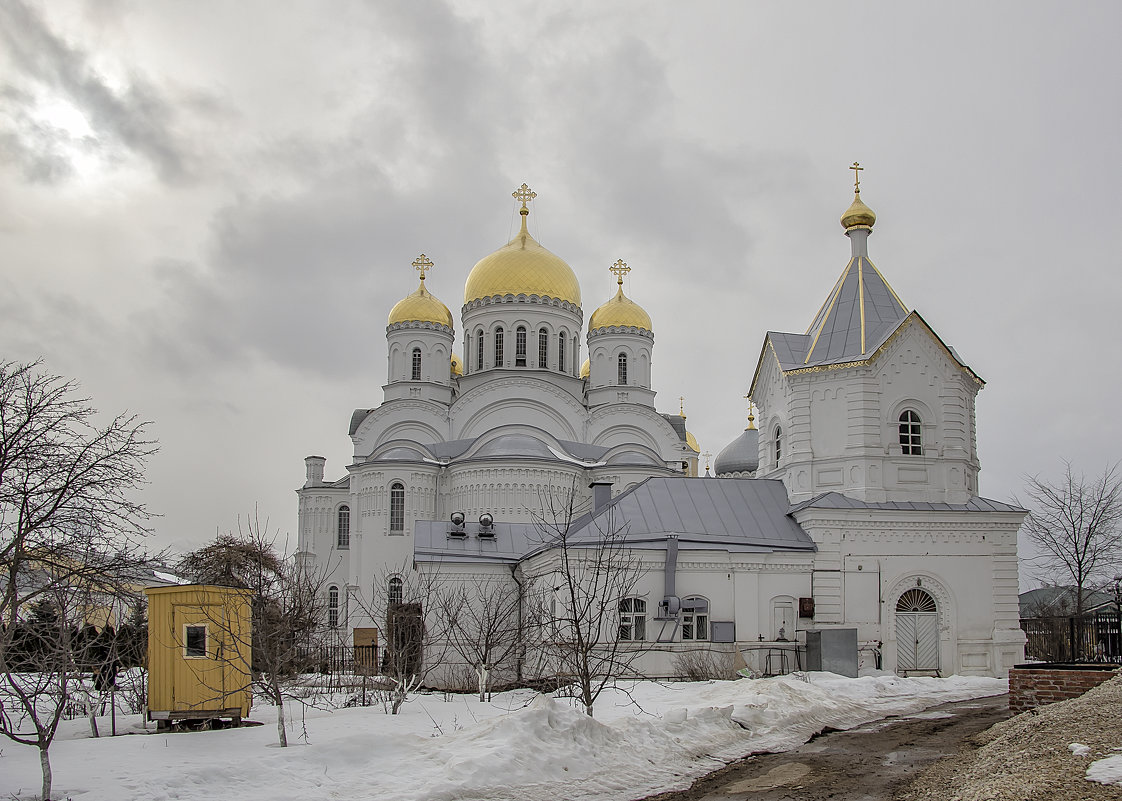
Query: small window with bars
{"points": [[911, 434]]}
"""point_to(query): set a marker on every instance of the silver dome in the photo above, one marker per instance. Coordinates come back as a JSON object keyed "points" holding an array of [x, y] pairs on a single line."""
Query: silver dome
{"points": [[742, 455]]}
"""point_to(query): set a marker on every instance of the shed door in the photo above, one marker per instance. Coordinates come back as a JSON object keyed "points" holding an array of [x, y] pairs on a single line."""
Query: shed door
{"points": [[199, 677], [917, 632]]}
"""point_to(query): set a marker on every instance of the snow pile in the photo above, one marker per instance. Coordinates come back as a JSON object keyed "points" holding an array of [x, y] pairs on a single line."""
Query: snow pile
{"points": [[646, 737], [1106, 771]]}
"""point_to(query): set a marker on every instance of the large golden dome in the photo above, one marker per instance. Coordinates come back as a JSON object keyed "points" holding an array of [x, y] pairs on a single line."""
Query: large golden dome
{"points": [[621, 311], [522, 267], [420, 307]]}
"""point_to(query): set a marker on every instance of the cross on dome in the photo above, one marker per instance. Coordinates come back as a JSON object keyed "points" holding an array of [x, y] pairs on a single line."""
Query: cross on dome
{"points": [[751, 413], [525, 195], [682, 406], [857, 176], [620, 269], [423, 264]]}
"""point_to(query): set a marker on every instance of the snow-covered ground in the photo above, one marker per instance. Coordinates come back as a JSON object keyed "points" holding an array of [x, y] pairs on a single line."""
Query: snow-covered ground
{"points": [[645, 738]]}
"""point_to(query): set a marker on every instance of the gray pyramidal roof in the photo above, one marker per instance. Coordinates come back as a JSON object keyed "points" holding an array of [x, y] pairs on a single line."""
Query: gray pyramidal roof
{"points": [[859, 315]]}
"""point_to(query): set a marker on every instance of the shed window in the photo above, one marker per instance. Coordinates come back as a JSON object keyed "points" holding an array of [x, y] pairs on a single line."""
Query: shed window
{"points": [[333, 606], [561, 352], [543, 348], [479, 351], [397, 507], [695, 619], [416, 364], [911, 434], [499, 346], [194, 642], [344, 527], [622, 374], [633, 619], [520, 346]]}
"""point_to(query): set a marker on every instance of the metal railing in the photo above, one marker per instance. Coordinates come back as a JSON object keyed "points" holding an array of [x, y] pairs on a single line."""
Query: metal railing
{"points": [[1095, 637]]}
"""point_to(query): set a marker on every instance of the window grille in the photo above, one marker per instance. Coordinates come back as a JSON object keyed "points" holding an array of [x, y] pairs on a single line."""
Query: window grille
{"points": [[333, 606], [622, 376], [911, 434], [520, 346], [479, 351], [394, 591], [543, 348], [633, 619], [499, 346], [416, 364], [561, 352]]}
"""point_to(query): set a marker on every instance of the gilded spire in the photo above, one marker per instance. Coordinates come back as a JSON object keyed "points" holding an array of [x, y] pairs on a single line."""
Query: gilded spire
{"points": [[858, 214], [524, 194], [751, 415], [422, 264]]}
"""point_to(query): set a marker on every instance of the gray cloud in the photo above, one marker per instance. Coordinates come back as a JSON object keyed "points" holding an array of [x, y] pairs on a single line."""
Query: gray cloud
{"points": [[141, 118]]}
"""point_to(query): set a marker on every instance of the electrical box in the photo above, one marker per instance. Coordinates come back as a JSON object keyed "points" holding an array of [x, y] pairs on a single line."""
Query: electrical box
{"points": [[832, 650], [722, 631]]}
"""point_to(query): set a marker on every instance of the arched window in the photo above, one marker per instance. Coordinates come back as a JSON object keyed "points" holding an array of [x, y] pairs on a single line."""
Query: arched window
{"points": [[416, 364], [520, 346], [695, 618], [911, 434], [397, 507], [622, 373], [778, 445], [333, 607], [543, 348], [499, 346], [561, 352], [479, 350], [633, 619], [393, 591], [343, 527]]}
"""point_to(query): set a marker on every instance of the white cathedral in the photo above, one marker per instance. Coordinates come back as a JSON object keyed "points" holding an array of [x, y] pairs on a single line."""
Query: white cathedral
{"points": [[853, 506]]}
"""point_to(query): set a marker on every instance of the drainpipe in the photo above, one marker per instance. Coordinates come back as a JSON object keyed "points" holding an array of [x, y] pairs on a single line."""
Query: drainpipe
{"points": [[521, 645]]}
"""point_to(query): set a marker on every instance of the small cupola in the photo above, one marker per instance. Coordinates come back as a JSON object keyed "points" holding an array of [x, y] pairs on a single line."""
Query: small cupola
{"points": [[620, 311], [422, 306]]}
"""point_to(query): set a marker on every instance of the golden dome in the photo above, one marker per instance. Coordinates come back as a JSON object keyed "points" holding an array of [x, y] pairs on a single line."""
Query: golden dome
{"points": [[522, 267], [457, 365], [691, 440], [420, 307], [585, 369], [620, 311], [858, 214]]}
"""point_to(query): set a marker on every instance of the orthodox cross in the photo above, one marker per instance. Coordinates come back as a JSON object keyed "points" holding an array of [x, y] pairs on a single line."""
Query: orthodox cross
{"points": [[620, 269], [681, 405], [423, 264], [707, 456], [524, 194], [856, 177], [751, 416]]}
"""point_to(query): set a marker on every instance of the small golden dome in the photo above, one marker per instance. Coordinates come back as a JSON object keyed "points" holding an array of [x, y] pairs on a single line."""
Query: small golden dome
{"points": [[522, 267], [620, 311], [586, 369], [691, 440], [457, 366], [420, 307], [858, 214]]}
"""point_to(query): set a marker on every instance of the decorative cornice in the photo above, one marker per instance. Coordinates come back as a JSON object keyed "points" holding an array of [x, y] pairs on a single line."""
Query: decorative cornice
{"points": [[543, 300], [420, 325], [616, 329]]}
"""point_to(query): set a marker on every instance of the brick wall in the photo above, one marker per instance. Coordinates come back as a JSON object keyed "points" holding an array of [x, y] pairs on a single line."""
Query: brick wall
{"points": [[1031, 686]]}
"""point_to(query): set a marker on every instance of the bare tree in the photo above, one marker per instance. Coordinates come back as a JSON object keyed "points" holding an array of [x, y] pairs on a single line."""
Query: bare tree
{"points": [[288, 610], [593, 628], [484, 625], [69, 521], [1076, 525], [413, 634]]}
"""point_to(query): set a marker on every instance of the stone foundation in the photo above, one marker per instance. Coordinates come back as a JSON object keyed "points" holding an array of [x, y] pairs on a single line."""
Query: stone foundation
{"points": [[1034, 685]]}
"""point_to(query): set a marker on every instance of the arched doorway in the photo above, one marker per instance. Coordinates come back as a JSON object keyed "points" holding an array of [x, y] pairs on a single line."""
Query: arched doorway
{"points": [[917, 632]]}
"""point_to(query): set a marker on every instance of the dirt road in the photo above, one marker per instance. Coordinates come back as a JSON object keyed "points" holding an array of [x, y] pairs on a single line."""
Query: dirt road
{"points": [[869, 763]]}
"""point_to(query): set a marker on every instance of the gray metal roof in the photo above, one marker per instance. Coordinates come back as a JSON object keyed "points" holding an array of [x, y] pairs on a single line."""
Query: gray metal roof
{"points": [[742, 455], [835, 500], [860, 313], [723, 514]]}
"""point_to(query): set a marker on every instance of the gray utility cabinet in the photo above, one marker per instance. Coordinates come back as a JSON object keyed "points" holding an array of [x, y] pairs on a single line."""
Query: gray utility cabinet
{"points": [[833, 650]]}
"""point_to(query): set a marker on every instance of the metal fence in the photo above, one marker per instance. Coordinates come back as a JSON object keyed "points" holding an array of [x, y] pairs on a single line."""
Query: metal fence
{"points": [[339, 663], [1095, 637]]}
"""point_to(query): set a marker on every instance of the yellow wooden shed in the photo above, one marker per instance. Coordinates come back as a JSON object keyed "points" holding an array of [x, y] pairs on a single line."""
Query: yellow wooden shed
{"points": [[199, 653]]}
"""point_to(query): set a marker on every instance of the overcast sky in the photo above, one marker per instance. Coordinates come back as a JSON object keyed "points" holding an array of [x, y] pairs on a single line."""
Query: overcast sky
{"points": [[208, 209]]}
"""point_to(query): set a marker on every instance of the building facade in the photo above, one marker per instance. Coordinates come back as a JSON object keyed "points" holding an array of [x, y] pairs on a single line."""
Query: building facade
{"points": [[853, 505]]}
